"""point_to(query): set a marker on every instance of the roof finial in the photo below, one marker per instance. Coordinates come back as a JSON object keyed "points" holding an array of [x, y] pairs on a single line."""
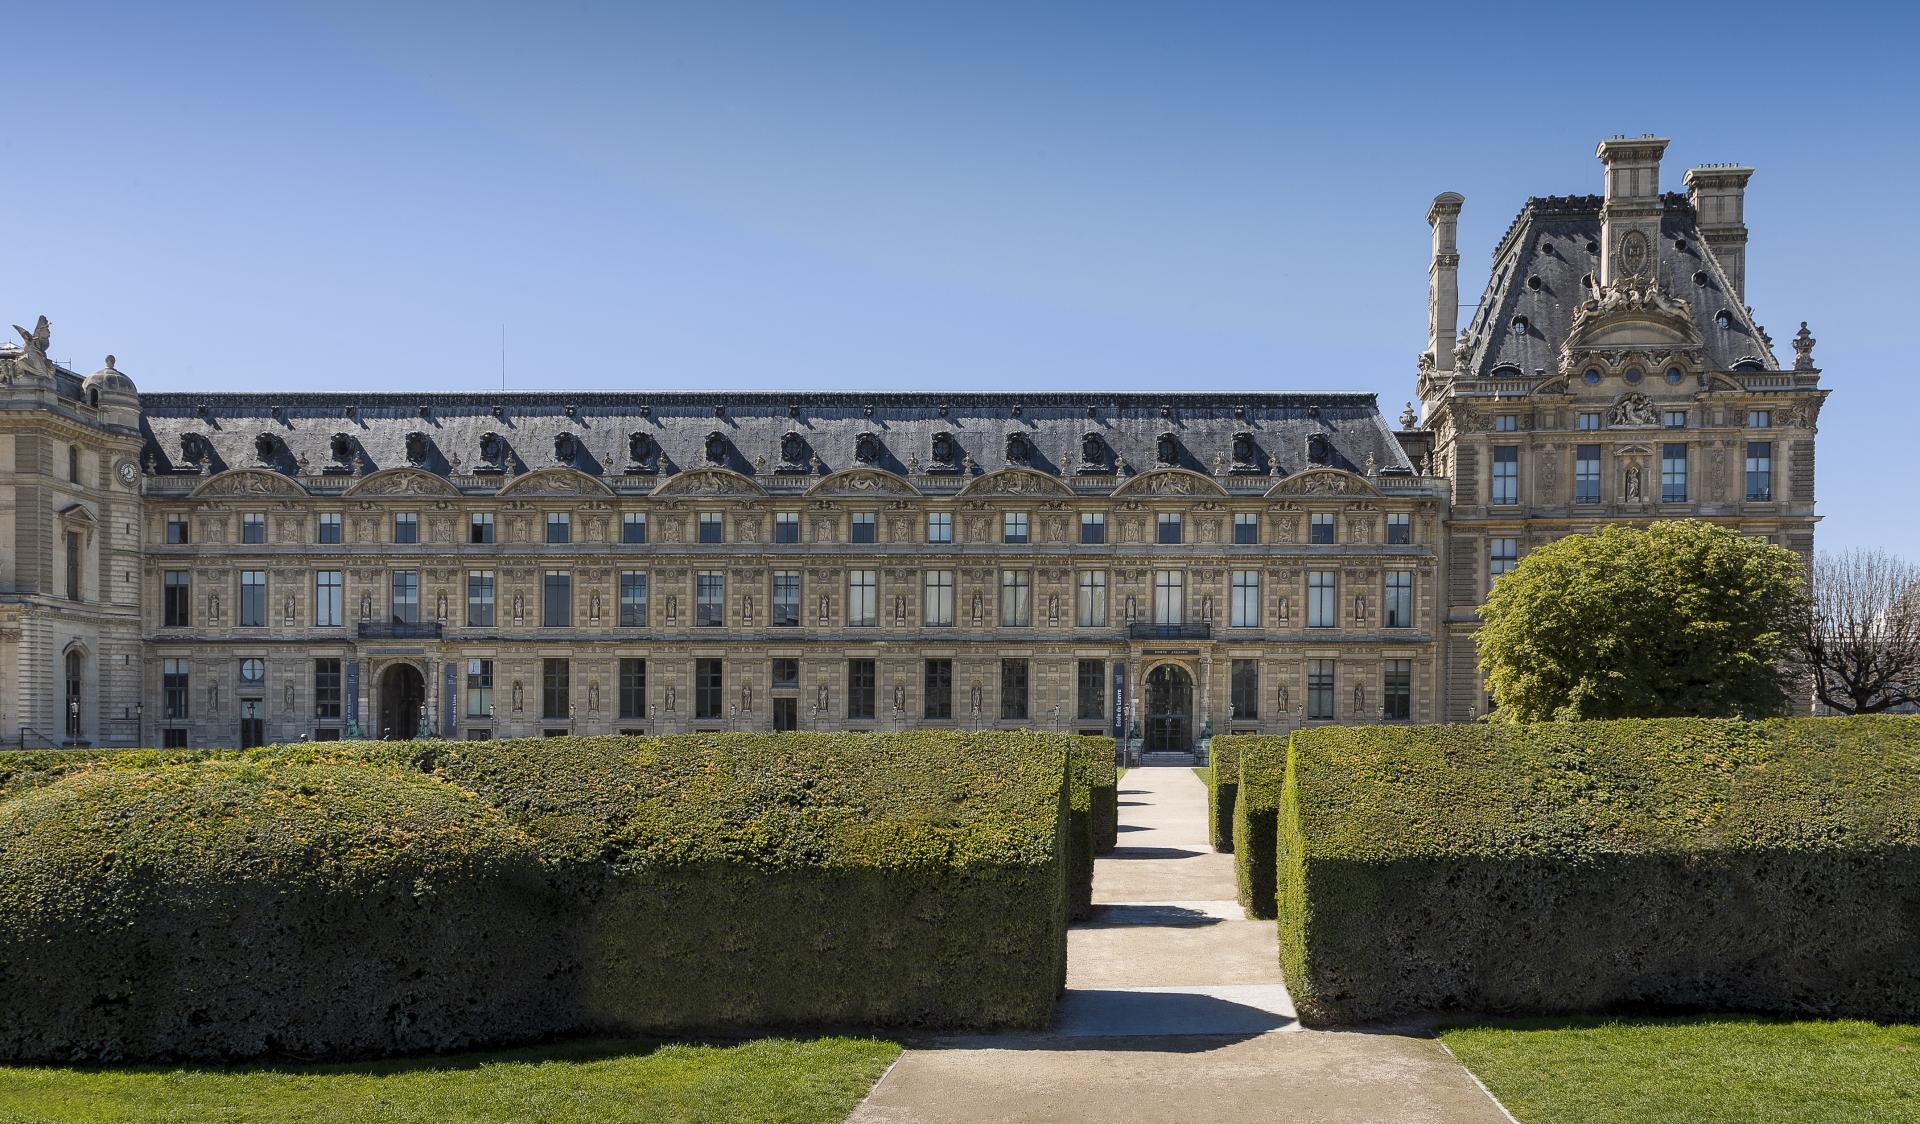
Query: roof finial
{"points": [[110, 358], [1803, 349]]}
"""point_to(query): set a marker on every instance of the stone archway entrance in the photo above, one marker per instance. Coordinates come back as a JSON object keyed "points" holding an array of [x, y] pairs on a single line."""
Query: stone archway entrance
{"points": [[403, 691], [1169, 710]]}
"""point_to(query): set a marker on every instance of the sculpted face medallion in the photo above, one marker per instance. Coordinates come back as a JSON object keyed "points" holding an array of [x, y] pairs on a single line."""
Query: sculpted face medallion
{"points": [[1633, 254]]}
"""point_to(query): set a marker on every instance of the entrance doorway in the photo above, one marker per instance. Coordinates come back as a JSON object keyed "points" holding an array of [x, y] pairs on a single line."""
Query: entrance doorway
{"points": [[253, 727], [1169, 710], [786, 714], [403, 692]]}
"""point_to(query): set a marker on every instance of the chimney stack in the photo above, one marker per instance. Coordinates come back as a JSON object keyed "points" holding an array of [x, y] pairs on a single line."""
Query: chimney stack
{"points": [[1443, 279], [1630, 217], [1719, 196]]}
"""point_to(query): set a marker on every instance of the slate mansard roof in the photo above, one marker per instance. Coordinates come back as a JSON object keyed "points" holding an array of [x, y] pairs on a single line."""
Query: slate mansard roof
{"points": [[449, 433], [1556, 239]]}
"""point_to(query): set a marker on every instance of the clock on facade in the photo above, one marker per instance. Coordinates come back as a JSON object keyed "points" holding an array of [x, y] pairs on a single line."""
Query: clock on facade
{"points": [[128, 473]]}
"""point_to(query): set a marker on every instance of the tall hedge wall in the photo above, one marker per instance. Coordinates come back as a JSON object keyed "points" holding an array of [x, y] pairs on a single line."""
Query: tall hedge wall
{"points": [[1261, 760], [1770, 867], [1104, 772], [376, 898], [1223, 785]]}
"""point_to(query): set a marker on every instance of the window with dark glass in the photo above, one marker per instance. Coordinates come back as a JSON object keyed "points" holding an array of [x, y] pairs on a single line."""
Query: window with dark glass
{"points": [[1319, 690], [786, 599], [1013, 527], [713, 527], [1090, 690], [1320, 529], [1170, 530], [939, 527], [174, 689], [938, 588], [1396, 691], [633, 599], [1013, 689], [253, 527], [1673, 473], [326, 688], [1586, 474], [1245, 611], [937, 697], [329, 598], [406, 527], [479, 688], [479, 598], [1506, 474], [786, 673], [1502, 556], [556, 687], [860, 689], [1399, 529], [329, 533], [633, 528], [177, 532], [559, 527], [1246, 690], [406, 597], [1759, 470], [177, 598], [1016, 598], [480, 527], [1093, 528], [633, 688], [1246, 528], [1398, 603], [556, 605], [786, 526], [866, 527], [710, 599], [253, 598], [1322, 610]]}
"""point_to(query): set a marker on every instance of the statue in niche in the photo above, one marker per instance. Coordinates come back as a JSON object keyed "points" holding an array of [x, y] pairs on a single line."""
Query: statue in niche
{"points": [[1631, 493], [866, 449], [1167, 449], [366, 606], [519, 606], [286, 605], [593, 696], [441, 607], [517, 695], [716, 448]]}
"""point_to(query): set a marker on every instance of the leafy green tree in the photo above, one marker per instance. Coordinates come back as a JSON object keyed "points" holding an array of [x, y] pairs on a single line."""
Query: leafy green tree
{"points": [[1682, 618]]}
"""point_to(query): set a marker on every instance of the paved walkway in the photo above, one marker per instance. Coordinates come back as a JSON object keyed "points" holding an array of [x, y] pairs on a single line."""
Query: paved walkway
{"points": [[1175, 1011]]}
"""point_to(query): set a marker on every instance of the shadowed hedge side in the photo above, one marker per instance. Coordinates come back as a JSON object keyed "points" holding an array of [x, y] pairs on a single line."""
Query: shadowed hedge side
{"points": [[1567, 867], [1223, 785], [1104, 773], [1256, 806]]}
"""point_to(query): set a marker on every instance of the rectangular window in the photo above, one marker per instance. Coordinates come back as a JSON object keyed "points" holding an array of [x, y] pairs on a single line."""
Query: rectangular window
{"points": [[1322, 611], [1246, 528], [709, 688], [177, 533], [860, 689], [1169, 597], [556, 688], [480, 528], [937, 694], [329, 598], [786, 599], [326, 688], [1246, 691], [174, 689], [1397, 608], [406, 527], [330, 528], [1674, 419], [253, 527], [1320, 528], [1588, 422], [1319, 690], [253, 599], [1586, 474], [1759, 470], [1506, 423], [713, 527], [177, 739], [1396, 691], [939, 598], [1759, 419], [559, 527], [1013, 527], [1399, 529], [786, 674], [1093, 528], [1013, 690], [1502, 555], [1090, 602], [1673, 473], [862, 598], [479, 688], [633, 688], [1246, 599], [710, 599], [556, 599], [479, 598], [1090, 690], [1506, 474], [939, 526], [786, 526], [1016, 598], [178, 598], [405, 603], [1169, 530], [866, 527], [633, 528], [633, 599]]}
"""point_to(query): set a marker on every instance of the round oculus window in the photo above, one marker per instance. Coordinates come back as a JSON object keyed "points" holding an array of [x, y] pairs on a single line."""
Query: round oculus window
{"points": [[1592, 377], [1634, 374], [1675, 374]]}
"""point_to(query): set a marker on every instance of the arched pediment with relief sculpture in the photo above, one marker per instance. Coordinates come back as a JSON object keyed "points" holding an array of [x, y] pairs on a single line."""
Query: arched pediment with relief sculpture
{"points": [[556, 482], [401, 482], [247, 482], [1015, 482], [862, 482], [1631, 313], [709, 482], [1170, 482], [1324, 482]]}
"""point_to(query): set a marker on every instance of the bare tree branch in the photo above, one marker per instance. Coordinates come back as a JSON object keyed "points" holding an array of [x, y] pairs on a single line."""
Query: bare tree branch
{"points": [[1860, 639]]}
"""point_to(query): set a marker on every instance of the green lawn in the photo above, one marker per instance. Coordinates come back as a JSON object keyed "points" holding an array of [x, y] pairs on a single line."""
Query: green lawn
{"points": [[764, 1080], [1710, 1070], [1205, 773]]}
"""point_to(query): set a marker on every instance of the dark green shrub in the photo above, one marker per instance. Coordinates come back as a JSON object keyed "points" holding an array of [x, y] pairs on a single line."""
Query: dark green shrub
{"points": [[1106, 791], [1079, 832], [1223, 785], [21, 771], [229, 909], [1256, 805], [1561, 867]]}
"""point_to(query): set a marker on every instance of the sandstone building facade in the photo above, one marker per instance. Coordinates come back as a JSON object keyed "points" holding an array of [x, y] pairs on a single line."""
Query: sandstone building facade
{"points": [[228, 569]]}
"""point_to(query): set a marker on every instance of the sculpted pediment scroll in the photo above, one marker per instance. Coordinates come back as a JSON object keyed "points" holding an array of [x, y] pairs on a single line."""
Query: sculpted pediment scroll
{"points": [[402, 482], [1170, 482], [709, 482], [1323, 482], [862, 482], [1016, 482], [556, 482], [248, 482]]}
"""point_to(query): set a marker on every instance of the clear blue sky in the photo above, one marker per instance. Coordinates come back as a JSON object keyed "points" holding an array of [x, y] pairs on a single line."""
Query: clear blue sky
{"points": [[919, 196]]}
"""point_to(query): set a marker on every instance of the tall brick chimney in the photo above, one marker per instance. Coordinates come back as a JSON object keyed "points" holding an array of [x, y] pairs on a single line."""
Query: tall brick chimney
{"points": [[1630, 217], [1719, 195], [1443, 279]]}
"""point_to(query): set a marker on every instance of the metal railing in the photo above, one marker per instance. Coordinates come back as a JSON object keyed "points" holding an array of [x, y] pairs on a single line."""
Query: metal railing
{"points": [[399, 630], [1201, 631]]}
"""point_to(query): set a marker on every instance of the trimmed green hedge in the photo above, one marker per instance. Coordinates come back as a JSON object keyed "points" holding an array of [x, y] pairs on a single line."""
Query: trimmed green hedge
{"points": [[1262, 762], [1223, 785], [1106, 790], [1561, 867], [357, 898]]}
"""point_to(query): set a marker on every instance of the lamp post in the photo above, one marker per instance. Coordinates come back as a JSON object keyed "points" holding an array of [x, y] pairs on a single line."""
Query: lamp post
{"points": [[139, 722]]}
